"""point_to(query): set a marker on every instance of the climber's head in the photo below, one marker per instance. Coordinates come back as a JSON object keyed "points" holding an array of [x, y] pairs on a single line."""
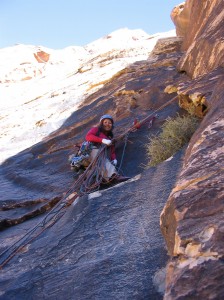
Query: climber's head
{"points": [[107, 123]]}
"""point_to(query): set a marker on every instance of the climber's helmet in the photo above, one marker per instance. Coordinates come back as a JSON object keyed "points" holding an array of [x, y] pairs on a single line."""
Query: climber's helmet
{"points": [[106, 117]]}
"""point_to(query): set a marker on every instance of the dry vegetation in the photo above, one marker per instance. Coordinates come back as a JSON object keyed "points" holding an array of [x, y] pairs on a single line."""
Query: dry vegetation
{"points": [[176, 132]]}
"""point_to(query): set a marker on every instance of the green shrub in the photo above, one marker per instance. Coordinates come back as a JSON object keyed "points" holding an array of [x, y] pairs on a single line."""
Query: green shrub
{"points": [[176, 132]]}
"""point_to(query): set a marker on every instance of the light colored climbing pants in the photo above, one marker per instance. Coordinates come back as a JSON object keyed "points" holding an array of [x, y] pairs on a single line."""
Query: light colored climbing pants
{"points": [[109, 168]]}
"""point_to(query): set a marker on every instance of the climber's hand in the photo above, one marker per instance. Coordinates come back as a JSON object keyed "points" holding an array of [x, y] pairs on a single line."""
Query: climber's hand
{"points": [[114, 162], [106, 142]]}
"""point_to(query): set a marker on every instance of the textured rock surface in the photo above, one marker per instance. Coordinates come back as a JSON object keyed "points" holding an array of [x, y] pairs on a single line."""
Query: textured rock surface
{"points": [[192, 219], [201, 179], [203, 23], [42, 57], [196, 95], [108, 245]]}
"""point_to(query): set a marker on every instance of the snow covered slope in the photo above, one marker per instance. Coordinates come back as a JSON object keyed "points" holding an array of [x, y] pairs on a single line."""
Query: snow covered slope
{"points": [[41, 87]]}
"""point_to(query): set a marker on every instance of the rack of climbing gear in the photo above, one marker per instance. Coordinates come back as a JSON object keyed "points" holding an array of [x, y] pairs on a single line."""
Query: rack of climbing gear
{"points": [[82, 157]]}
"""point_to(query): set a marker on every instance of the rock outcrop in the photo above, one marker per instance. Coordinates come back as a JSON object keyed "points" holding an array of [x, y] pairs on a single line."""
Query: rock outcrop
{"points": [[201, 26], [191, 220], [41, 56]]}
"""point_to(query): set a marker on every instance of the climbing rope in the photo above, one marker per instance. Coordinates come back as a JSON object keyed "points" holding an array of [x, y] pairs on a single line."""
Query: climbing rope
{"points": [[150, 117], [135, 126], [123, 152], [87, 182]]}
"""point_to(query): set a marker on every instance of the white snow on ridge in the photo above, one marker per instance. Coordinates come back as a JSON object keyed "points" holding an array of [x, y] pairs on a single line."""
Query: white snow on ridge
{"points": [[36, 98]]}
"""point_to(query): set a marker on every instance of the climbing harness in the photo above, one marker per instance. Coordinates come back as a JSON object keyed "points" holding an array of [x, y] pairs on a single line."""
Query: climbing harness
{"points": [[86, 183]]}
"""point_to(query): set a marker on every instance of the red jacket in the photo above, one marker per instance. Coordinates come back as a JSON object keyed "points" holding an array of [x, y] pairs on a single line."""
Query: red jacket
{"points": [[92, 136]]}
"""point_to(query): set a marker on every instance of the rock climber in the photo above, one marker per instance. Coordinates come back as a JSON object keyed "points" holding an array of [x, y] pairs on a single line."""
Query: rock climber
{"points": [[103, 134]]}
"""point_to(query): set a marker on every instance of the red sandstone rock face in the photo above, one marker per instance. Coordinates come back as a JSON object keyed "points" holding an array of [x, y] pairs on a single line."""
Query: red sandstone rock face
{"points": [[180, 19], [195, 95], [201, 24], [41, 56], [192, 219]]}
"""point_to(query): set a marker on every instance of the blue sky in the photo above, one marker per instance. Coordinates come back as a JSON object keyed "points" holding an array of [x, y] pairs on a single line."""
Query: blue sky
{"points": [[57, 24]]}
